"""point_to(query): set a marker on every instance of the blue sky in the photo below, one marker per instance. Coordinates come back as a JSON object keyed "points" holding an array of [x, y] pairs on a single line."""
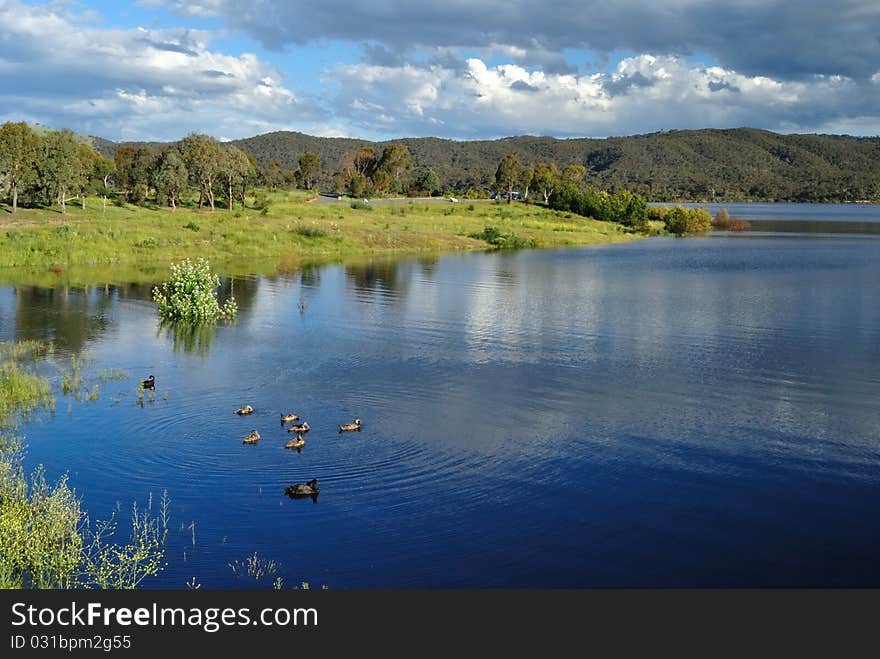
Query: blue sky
{"points": [[463, 69]]}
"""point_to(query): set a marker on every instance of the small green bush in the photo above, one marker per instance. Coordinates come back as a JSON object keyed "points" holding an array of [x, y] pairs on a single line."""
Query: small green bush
{"points": [[309, 232], [261, 201], [657, 213], [192, 226], [681, 221], [361, 206], [190, 294], [499, 240]]}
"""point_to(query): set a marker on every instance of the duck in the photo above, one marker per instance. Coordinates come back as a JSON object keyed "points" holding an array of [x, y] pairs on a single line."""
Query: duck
{"points": [[247, 409], [309, 489], [149, 383], [349, 427], [297, 442], [299, 427], [252, 438], [289, 417]]}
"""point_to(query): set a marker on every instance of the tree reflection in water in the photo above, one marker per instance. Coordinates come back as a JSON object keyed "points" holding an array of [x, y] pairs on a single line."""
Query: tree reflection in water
{"points": [[191, 338]]}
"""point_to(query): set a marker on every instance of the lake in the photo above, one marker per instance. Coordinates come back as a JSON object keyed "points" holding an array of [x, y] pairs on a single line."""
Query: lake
{"points": [[673, 412]]}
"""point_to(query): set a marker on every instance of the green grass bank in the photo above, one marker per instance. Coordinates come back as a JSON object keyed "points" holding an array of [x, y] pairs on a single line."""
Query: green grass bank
{"points": [[131, 243]]}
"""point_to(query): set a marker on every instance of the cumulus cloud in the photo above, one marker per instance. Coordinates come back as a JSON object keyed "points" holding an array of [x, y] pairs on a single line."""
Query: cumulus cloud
{"points": [[805, 66], [777, 38], [643, 94], [59, 69]]}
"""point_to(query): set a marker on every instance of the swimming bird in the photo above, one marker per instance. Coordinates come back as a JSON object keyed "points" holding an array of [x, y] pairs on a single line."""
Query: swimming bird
{"points": [[289, 417], [149, 383], [299, 427], [348, 427], [247, 409], [252, 438], [297, 442], [309, 489]]}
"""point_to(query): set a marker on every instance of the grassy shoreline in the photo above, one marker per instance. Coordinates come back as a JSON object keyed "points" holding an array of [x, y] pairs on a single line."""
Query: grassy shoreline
{"points": [[133, 244]]}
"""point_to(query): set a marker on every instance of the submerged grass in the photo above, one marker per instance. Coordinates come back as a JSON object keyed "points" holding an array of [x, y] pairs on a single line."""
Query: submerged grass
{"points": [[23, 350], [46, 539], [21, 393], [138, 244]]}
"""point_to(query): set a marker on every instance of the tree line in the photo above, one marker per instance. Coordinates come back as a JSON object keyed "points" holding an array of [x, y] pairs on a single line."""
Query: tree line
{"points": [[51, 167], [568, 190], [48, 167], [45, 167]]}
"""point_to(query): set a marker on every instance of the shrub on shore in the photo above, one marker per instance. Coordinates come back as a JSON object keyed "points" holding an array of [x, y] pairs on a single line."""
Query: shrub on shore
{"points": [[681, 221], [496, 238]]}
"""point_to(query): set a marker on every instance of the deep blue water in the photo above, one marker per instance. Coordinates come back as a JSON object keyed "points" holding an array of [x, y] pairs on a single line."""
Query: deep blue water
{"points": [[698, 412]]}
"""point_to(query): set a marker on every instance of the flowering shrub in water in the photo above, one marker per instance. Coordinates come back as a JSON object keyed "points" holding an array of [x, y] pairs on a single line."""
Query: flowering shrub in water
{"points": [[191, 294]]}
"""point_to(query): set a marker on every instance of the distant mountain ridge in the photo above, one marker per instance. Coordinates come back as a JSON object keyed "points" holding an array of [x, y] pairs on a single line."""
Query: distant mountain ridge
{"points": [[739, 163]]}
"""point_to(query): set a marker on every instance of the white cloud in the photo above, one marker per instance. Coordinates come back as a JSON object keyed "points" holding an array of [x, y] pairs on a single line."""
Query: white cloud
{"points": [[59, 69], [643, 94], [203, 8]]}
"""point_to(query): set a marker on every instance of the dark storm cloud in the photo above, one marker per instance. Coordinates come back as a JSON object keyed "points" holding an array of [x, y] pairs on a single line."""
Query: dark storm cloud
{"points": [[778, 38]]}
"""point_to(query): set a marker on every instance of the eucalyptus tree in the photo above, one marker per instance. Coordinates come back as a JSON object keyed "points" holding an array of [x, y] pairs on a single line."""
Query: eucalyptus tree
{"points": [[86, 170], [234, 171], [143, 164], [358, 168], [546, 179], [18, 154], [60, 171], [527, 175], [250, 173], [201, 155], [104, 171], [509, 175], [309, 168], [122, 161], [170, 177], [426, 179], [574, 174], [272, 176], [393, 168]]}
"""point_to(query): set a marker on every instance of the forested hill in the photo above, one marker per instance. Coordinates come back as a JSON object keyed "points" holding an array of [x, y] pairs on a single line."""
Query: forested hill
{"points": [[741, 163]]}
